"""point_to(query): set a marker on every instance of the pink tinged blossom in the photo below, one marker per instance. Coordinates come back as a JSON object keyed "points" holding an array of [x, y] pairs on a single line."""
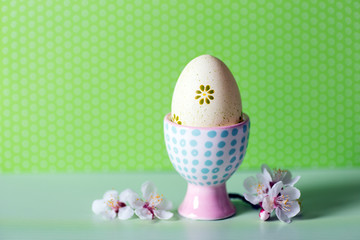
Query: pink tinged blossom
{"points": [[279, 175], [257, 188], [284, 200], [264, 215], [153, 206], [113, 205]]}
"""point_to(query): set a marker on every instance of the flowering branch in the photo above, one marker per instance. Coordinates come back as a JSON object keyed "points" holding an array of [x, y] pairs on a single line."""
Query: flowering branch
{"points": [[273, 191]]}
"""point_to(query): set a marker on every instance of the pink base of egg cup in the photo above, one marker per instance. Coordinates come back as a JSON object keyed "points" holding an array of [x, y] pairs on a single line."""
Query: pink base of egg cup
{"points": [[206, 157]]}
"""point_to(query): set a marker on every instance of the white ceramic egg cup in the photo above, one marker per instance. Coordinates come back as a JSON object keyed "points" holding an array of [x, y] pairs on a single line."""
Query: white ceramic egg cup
{"points": [[206, 158]]}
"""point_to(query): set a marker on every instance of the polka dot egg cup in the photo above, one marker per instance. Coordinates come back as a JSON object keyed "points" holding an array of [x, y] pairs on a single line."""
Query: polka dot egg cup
{"points": [[206, 158]]}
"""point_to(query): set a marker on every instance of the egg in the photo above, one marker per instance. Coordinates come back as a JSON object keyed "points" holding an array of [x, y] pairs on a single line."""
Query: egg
{"points": [[206, 95]]}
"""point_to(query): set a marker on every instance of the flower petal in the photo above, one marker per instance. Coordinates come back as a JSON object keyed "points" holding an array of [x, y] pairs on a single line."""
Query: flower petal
{"points": [[250, 184], [109, 214], [294, 209], [293, 181], [267, 175], [134, 200], [292, 193], [147, 189], [268, 170], [274, 191], [161, 214], [268, 204], [111, 195], [124, 195], [253, 199], [98, 206], [165, 205], [285, 177], [143, 213], [282, 216], [125, 213]]}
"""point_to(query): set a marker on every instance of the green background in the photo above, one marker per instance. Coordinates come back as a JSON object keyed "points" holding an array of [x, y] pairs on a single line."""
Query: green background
{"points": [[84, 85]]}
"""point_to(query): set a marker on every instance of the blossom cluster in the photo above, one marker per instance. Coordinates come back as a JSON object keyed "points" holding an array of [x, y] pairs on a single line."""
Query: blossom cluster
{"points": [[124, 205], [274, 191]]}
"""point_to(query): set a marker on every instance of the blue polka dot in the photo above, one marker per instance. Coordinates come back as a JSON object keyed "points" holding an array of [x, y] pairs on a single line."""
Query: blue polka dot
{"points": [[182, 131], [185, 161], [167, 137], [188, 176], [221, 144], [211, 134], [205, 170], [183, 175], [176, 150], [207, 154], [195, 162], [241, 148], [248, 136], [214, 177], [208, 144], [228, 168], [222, 181], [224, 134], [194, 177], [193, 143], [237, 165], [208, 183], [171, 156], [204, 177], [193, 170], [196, 132], [219, 162], [215, 182], [243, 140], [177, 159], [167, 126], [232, 151], [232, 159], [194, 152], [201, 184], [168, 146], [234, 132], [185, 169], [179, 167], [184, 152], [208, 163], [225, 175], [174, 140], [173, 129], [182, 142], [241, 156], [215, 170], [233, 142], [245, 128], [219, 153]]}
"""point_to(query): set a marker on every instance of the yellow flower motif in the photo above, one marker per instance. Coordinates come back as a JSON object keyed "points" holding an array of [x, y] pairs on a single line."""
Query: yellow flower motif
{"points": [[175, 119], [204, 94]]}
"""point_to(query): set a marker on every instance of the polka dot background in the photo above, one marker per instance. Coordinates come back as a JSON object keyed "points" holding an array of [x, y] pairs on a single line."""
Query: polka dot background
{"points": [[84, 85]]}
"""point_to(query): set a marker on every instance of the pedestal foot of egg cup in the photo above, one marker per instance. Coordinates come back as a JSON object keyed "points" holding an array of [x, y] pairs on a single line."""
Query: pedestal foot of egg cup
{"points": [[206, 157]]}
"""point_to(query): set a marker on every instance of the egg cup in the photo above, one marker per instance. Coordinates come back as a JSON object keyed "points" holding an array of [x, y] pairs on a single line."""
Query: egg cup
{"points": [[206, 157]]}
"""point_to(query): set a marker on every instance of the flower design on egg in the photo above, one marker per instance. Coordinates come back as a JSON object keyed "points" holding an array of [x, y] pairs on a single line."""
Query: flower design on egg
{"points": [[204, 94], [175, 119]]}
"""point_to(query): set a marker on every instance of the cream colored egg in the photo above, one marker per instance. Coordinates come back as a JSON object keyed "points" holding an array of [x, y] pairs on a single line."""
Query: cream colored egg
{"points": [[206, 95]]}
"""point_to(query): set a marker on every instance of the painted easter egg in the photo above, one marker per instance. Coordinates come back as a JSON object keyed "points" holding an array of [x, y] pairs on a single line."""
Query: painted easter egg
{"points": [[206, 95]]}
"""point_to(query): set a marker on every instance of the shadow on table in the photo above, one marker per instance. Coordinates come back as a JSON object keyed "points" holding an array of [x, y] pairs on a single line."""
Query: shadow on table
{"points": [[242, 207], [323, 200]]}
